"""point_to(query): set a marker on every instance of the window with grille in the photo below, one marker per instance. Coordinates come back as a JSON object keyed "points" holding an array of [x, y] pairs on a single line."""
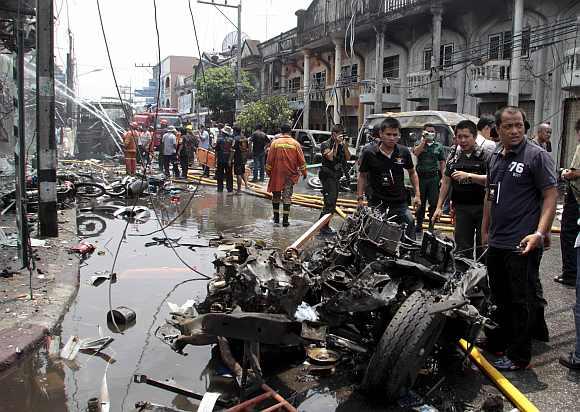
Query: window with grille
{"points": [[391, 67], [445, 56], [319, 80], [501, 45]]}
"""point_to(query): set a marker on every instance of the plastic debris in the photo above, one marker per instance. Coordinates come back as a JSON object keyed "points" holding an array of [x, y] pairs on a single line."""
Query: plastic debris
{"points": [[71, 348], [104, 395], [185, 309], [305, 312], [208, 402], [83, 249]]}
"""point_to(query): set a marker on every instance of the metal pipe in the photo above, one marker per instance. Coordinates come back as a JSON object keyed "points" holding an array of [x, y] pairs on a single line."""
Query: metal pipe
{"points": [[293, 249], [509, 390]]}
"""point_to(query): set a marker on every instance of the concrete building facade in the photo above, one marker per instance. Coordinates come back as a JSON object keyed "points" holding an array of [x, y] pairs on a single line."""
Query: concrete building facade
{"points": [[345, 60], [174, 70]]}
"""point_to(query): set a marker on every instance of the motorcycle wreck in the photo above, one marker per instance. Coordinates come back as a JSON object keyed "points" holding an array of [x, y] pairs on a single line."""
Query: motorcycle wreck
{"points": [[389, 303]]}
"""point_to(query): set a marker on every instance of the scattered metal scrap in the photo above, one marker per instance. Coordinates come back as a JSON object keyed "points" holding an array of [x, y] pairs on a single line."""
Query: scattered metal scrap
{"points": [[372, 296]]}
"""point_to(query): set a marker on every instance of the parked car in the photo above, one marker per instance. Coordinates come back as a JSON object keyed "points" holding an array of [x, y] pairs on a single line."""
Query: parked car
{"points": [[412, 126], [310, 141]]}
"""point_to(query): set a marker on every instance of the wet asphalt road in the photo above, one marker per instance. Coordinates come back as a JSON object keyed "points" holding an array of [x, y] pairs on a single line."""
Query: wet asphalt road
{"points": [[146, 279]]}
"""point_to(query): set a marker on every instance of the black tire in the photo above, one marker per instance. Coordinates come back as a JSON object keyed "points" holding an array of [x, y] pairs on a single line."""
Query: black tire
{"points": [[89, 190], [314, 183], [90, 225], [407, 341], [117, 191]]}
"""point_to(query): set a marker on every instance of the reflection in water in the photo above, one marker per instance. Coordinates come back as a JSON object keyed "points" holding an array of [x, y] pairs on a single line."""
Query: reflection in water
{"points": [[147, 276]]}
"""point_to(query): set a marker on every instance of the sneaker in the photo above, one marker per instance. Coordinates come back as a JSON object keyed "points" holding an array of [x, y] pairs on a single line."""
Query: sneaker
{"points": [[563, 281], [505, 364], [570, 361]]}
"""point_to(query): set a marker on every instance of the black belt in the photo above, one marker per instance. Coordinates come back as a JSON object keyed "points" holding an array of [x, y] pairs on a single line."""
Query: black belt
{"points": [[428, 174]]}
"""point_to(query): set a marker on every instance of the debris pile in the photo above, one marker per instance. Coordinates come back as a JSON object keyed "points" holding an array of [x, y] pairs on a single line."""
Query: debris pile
{"points": [[372, 301]]}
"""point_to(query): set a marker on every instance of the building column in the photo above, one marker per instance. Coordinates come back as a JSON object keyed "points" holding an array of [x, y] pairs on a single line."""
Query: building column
{"points": [[556, 102], [539, 88], [379, 56], [306, 110], [361, 75], [338, 44], [518, 22], [403, 71], [263, 88], [460, 85], [270, 78], [283, 78], [437, 12]]}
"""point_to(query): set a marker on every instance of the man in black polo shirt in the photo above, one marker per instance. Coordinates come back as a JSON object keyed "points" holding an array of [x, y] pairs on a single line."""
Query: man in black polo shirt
{"points": [[519, 209], [382, 177], [335, 154]]}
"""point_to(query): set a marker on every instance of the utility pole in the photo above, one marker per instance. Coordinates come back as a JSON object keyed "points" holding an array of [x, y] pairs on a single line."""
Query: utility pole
{"points": [[70, 76], [514, 85], [239, 46], [20, 149], [45, 123]]}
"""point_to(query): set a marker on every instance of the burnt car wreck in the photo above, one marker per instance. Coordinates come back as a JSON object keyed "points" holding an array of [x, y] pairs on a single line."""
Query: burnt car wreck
{"points": [[389, 302]]}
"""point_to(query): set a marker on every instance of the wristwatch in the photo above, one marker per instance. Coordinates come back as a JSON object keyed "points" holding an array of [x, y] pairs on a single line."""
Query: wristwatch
{"points": [[542, 236]]}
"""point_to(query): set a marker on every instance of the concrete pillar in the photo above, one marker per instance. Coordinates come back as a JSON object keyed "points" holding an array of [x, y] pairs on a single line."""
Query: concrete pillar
{"points": [[338, 44], [460, 91], [539, 86], [515, 71], [379, 56], [270, 77], [306, 111], [403, 71], [283, 78], [263, 88], [361, 75], [437, 12], [556, 102]]}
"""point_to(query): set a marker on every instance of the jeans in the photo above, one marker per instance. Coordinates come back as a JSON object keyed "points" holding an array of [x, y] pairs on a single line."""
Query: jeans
{"points": [[259, 163], [568, 236], [402, 212], [170, 160], [577, 306], [224, 171], [429, 188], [184, 162], [511, 278]]}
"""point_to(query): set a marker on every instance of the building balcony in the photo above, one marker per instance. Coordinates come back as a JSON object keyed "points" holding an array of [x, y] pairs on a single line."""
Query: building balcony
{"points": [[420, 86], [492, 79], [571, 75], [391, 91]]}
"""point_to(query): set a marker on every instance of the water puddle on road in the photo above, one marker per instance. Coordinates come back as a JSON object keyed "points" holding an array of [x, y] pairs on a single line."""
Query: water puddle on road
{"points": [[147, 276]]}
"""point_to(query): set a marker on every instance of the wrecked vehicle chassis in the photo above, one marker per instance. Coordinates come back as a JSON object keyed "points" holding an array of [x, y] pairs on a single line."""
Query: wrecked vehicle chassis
{"points": [[385, 300]]}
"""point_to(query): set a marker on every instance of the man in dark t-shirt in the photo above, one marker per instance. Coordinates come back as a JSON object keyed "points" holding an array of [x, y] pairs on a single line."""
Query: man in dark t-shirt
{"points": [[258, 141], [382, 175], [335, 154], [519, 208]]}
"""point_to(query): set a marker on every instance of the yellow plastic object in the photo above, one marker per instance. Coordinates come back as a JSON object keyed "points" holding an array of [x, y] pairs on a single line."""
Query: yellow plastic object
{"points": [[508, 389], [340, 212]]}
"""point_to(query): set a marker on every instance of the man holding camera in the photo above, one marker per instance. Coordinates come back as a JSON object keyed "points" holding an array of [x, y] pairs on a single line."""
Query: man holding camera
{"points": [[335, 154], [430, 168]]}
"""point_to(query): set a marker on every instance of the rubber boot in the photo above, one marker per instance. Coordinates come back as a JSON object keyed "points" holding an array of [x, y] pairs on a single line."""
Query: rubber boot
{"points": [[276, 207], [285, 215]]}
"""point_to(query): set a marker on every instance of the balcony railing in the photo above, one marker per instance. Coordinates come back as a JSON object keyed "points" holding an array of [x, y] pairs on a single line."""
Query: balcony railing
{"points": [[493, 77], [391, 91], [420, 85], [571, 75]]}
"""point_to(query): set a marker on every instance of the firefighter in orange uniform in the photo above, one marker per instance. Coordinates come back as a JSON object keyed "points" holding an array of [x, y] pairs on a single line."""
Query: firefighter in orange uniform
{"points": [[130, 139], [284, 165]]}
